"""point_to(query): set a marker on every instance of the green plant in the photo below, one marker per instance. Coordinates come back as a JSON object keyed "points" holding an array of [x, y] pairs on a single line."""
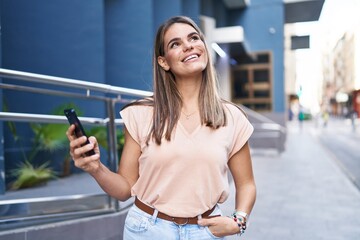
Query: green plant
{"points": [[46, 138], [12, 127], [50, 138], [28, 176], [101, 135]]}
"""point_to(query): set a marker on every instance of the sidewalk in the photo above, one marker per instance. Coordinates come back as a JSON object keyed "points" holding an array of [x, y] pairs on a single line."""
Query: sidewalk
{"points": [[302, 194]]}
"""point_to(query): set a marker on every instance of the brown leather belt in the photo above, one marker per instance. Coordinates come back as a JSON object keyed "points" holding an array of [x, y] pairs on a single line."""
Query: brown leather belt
{"points": [[176, 220]]}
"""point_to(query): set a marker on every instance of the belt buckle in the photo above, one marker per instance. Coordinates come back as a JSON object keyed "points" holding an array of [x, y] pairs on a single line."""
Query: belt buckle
{"points": [[180, 224]]}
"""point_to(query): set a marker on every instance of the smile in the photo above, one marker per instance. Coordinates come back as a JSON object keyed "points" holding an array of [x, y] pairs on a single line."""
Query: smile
{"points": [[193, 56]]}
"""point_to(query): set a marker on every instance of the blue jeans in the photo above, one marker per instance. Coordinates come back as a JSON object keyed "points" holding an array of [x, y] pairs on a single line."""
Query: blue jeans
{"points": [[142, 226]]}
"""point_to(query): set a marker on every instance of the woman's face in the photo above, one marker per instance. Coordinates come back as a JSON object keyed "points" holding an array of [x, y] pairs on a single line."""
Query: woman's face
{"points": [[185, 53]]}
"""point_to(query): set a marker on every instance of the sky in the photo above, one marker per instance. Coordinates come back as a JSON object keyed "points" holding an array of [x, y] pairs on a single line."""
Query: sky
{"points": [[336, 18]]}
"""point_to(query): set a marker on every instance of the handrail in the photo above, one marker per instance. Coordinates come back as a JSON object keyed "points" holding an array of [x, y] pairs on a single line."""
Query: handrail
{"points": [[270, 126], [59, 81], [48, 199], [45, 118]]}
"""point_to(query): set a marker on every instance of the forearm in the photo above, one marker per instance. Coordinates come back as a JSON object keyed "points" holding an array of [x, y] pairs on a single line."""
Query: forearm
{"points": [[243, 179], [245, 197], [225, 226], [112, 183]]}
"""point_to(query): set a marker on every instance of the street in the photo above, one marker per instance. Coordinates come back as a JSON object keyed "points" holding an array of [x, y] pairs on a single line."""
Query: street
{"points": [[305, 192], [343, 142]]}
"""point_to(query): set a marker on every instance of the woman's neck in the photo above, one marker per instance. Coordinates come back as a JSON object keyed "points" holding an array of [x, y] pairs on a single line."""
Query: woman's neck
{"points": [[189, 90], [188, 87]]}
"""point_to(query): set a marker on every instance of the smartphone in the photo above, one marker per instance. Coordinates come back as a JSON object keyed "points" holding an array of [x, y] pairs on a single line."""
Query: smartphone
{"points": [[79, 130]]}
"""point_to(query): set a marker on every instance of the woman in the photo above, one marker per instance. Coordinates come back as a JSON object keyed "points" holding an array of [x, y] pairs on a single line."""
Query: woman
{"points": [[179, 145]]}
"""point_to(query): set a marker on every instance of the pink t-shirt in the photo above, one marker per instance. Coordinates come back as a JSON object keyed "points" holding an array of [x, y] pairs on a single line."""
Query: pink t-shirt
{"points": [[188, 175]]}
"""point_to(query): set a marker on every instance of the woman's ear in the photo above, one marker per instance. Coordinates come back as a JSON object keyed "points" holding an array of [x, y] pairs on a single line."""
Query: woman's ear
{"points": [[162, 62]]}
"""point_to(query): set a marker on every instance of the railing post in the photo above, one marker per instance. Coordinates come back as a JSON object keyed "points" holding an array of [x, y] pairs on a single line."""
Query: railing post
{"points": [[2, 169], [112, 140], [2, 159]]}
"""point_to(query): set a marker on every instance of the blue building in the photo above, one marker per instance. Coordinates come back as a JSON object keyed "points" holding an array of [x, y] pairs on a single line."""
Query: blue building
{"points": [[111, 42]]}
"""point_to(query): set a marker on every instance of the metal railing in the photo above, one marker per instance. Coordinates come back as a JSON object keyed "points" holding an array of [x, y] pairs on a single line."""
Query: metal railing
{"points": [[111, 95], [268, 135]]}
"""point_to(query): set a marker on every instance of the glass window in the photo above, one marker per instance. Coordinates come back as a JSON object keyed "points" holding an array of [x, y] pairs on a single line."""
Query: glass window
{"points": [[251, 82]]}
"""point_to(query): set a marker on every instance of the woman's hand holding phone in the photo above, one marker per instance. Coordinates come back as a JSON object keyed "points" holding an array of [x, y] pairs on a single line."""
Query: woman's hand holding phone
{"points": [[83, 150], [79, 149]]}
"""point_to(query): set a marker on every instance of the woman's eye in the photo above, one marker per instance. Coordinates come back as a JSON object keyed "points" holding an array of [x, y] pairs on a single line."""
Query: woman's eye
{"points": [[195, 38], [175, 44]]}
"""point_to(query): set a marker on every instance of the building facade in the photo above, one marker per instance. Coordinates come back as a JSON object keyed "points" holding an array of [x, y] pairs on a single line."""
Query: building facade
{"points": [[341, 76], [111, 42]]}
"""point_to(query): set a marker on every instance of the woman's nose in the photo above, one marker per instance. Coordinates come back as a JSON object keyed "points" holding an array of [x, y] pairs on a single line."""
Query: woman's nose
{"points": [[187, 46]]}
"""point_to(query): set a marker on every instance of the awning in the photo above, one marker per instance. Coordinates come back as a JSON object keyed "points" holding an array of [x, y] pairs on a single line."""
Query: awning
{"points": [[302, 10]]}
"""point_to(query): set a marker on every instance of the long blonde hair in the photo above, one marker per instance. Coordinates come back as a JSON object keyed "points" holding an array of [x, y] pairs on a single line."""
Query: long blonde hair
{"points": [[167, 100]]}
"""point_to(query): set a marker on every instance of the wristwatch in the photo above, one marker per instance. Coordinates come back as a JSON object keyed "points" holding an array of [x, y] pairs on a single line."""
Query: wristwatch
{"points": [[241, 219], [242, 214]]}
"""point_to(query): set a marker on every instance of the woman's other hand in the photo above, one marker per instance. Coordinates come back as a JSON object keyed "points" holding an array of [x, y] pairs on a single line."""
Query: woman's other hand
{"points": [[220, 226]]}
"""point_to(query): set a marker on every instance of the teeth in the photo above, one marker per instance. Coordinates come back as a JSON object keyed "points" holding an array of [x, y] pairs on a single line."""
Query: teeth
{"points": [[190, 57]]}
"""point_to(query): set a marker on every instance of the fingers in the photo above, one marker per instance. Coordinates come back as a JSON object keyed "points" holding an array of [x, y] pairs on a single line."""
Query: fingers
{"points": [[70, 132], [220, 226], [87, 163], [206, 222], [93, 141], [78, 148], [218, 220]]}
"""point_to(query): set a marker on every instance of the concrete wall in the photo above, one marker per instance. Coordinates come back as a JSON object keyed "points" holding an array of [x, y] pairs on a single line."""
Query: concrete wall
{"points": [[53, 38], [130, 30], [128, 34]]}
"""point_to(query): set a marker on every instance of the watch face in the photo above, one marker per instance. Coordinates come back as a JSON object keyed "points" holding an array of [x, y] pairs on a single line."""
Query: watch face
{"points": [[242, 214]]}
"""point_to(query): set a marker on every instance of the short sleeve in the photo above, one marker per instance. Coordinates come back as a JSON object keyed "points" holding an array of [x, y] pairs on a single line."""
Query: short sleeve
{"points": [[137, 119], [130, 122], [242, 130]]}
